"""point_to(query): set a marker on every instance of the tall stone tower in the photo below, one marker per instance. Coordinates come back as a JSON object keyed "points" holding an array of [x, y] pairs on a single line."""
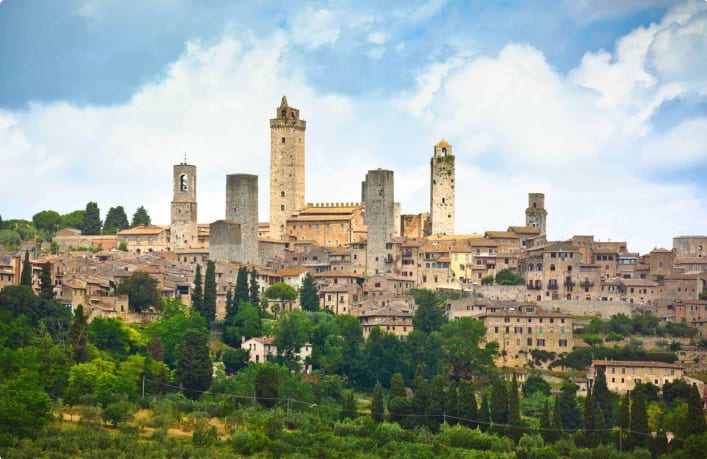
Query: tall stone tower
{"points": [[286, 167], [183, 231], [380, 218], [442, 189], [242, 208], [535, 214]]}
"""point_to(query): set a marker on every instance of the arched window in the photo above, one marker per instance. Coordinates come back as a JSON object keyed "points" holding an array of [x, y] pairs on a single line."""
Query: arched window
{"points": [[539, 267], [283, 114], [183, 184], [530, 267], [444, 151], [282, 194]]}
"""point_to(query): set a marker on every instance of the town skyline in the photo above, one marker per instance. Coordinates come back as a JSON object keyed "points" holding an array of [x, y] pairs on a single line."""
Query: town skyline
{"points": [[613, 134]]}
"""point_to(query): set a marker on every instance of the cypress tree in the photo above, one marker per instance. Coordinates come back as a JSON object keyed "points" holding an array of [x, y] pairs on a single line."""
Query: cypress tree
{"points": [[91, 224], [397, 387], [571, 414], [45, 282], [695, 413], [589, 422], [602, 398], [419, 398], [197, 296], [624, 417], [514, 410], [451, 403], [209, 306], [78, 336], [484, 414], [308, 294], [377, 411], [194, 368], [557, 429], [254, 289], [398, 404], [240, 294], [348, 406], [155, 348], [640, 435], [499, 405], [140, 217], [26, 276], [435, 404], [466, 405], [229, 303], [660, 446], [545, 426], [267, 386]]}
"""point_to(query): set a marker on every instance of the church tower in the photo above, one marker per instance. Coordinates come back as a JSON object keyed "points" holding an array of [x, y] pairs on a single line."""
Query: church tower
{"points": [[442, 189], [535, 214], [183, 231], [286, 167]]}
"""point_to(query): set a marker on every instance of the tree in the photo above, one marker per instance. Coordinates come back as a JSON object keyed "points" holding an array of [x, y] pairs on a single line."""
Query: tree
{"points": [[397, 387], [545, 425], [229, 303], [484, 414], [281, 292], [429, 315], [235, 359], [535, 383], [110, 335], [640, 434], [194, 368], [78, 336], [253, 289], [514, 410], [197, 295], [116, 220], [487, 280], [602, 398], [176, 322], [25, 408], [467, 409], [507, 277], [570, 412], [461, 348], [290, 337], [246, 324], [308, 294], [10, 239], [91, 224], [72, 219], [420, 393], [377, 403], [48, 220], [26, 276], [435, 404], [349, 410], [155, 349], [46, 289], [557, 429], [209, 305], [266, 385], [451, 402], [624, 417], [499, 404], [140, 217], [695, 412], [142, 292], [590, 435]]}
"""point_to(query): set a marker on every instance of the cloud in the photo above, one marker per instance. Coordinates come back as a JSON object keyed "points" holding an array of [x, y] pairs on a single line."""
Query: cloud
{"points": [[316, 28]]}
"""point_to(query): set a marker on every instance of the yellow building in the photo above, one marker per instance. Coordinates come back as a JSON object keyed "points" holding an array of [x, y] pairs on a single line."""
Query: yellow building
{"points": [[622, 375]]}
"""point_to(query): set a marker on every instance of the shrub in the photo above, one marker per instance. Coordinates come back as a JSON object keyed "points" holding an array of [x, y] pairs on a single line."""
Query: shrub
{"points": [[248, 442]]}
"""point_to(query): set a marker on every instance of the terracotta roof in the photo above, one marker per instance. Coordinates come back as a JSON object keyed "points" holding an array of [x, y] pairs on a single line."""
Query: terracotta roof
{"points": [[483, 243], [291, 272], [323, 217], [442, 143], [634, 363], [139, 230], [338, 274], [524, 230], [501, 235]]}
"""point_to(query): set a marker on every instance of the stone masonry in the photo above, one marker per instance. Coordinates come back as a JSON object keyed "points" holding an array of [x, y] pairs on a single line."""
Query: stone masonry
{"points": [[183, 227], [242, 208], [442, 189], [535, 214], [380, 216]]}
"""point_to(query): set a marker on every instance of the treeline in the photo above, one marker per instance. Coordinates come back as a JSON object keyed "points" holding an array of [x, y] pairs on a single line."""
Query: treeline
{"points": [[620, 326], [46, 223]]}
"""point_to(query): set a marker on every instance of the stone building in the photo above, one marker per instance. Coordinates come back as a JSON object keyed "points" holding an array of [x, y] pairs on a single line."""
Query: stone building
{"points": [[286, 167], [623, 375], [554, 270], [242, 208], [690, 246], [415, 226], [442, 189], [327, 224], [535, 214], [391, 315], [380, 217], [183, 226], [522, 329], [226, 241], [148, 239]]}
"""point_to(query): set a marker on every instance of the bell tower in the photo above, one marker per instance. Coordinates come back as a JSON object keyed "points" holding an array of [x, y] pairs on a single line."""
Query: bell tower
{"points": [[183, 230], [286, 167], [535, 214]]}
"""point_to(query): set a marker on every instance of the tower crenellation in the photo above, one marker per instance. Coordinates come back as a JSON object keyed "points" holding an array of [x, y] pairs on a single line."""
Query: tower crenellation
{"points": [[287, 170], [442, 202]]}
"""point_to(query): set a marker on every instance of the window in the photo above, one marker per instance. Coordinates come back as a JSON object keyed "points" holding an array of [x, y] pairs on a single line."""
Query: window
{"points": [[283, 140], [495, 330], [282, 194], [552, 267], [541, 342], [563, 343], [183, 182], [282, 207], [530, 341]]}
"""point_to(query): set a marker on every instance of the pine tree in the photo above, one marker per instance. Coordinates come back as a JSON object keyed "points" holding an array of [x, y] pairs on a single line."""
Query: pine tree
{"points": [[557, 428], [435, 404], [451, 403], [419, 397], [209, 306], [695, 413], [640, 435], [116, 220], [194, 368], [308, 294], [254, 289], [197, 296], [91, 224], [78, 336], [140, 217], [467, 409], [484, 414], [46, 289], [514, 422], [26, 276], [377, 411], [545, 426]]}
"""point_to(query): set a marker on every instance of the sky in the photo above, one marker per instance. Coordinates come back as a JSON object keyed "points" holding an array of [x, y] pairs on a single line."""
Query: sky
{"points": [[601, 105]]}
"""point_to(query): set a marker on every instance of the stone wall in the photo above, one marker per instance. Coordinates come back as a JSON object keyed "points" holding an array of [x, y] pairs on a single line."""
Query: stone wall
{"points": [[442, 190], [242, 208], [225, 241], [380, 216]]}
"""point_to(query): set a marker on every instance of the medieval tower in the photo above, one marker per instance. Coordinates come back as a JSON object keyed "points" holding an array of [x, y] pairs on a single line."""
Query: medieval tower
{"points": [[286, 167], [242, 208], [378, 193], [535, 214], [183, 229], [442, 189]]}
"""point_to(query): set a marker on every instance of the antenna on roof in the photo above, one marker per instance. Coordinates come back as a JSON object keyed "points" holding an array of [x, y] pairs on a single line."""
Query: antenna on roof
{"points": [[185, 157]]}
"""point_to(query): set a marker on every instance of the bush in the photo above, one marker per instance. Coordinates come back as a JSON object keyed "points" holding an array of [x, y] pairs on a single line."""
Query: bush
{"points": [[247, 442], [463, 437]]}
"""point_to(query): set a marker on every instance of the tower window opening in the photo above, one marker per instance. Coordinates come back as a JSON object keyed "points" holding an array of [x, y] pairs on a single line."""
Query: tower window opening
{"points": [[183, 182], [283, 114], [283, 140], [444, 151], [282, 194], [442, 200], [535, 204], [282, 207]]}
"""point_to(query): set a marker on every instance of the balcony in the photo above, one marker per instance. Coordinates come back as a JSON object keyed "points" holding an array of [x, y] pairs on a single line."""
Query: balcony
{"points": [[535, 286], [586, 284], [569, 283]]}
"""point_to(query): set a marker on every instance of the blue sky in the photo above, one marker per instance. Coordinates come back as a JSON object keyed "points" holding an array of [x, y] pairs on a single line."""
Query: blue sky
{"points": [[602, 105]]}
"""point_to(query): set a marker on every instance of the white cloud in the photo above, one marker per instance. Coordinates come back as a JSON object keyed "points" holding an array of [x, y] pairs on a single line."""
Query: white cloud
{"points": [[378, 37], [316, 28]]}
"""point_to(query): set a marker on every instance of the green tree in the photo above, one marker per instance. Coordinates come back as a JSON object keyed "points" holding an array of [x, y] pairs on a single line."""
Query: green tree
{"points": [[281, 292], [46, 289], [240, 294], [176, 322], [48, 220], [10, 239], [451, 402], [571, 414], [590, 437], [229, 302], [487, 280], [397, 387], [545, 425], [72, 219], [267, 386], [640, 434], [194, 365], [197, 295], [142, 292], [308, 294], [695, 412], [155, 349], [467, 409], [382, 355], [25, 408], [514, 422], [140, 217], [499, 404], [429, 315], [377, 411], [91, 224], [420, 393], [116, 220], [435, 404], [209, 303], [78, 336], [557, 428], [246, 324], [26, 276], [535, 383], [110, 335], [290, 336], [349, 410], [602, 398], [461, 341], [507, 277], [484, 414], [235, 359], [253, 288]]}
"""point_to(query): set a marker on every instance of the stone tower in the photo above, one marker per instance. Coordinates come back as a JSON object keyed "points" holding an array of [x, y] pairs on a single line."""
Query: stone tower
{"points": [[442, 189], [242, 208], [286, 167], [183, 231], [380, 218], [535, 214]]}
